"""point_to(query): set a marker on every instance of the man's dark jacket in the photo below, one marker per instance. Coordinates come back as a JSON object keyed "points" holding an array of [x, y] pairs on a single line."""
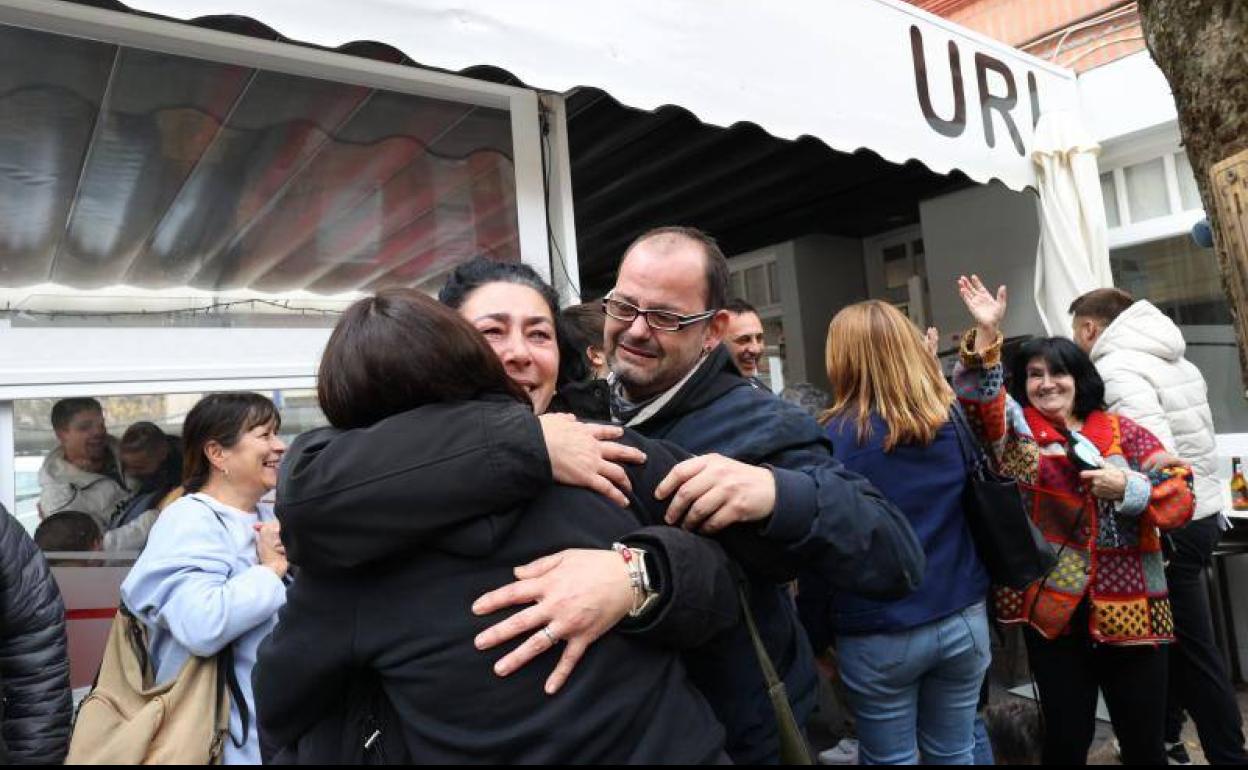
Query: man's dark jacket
{"points": [[827, 519], [34, 657]]}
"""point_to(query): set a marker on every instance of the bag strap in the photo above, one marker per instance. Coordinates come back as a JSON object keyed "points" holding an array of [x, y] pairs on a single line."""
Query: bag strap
{"points": [[764, 659], [972, 448], [783, 711]]}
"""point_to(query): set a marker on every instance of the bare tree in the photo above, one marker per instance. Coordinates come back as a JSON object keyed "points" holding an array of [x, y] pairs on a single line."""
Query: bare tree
{"points": [[1202, 47]]}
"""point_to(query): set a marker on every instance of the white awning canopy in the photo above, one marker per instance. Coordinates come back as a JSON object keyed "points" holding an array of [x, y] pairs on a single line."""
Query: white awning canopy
{"points": [[875, 74]]}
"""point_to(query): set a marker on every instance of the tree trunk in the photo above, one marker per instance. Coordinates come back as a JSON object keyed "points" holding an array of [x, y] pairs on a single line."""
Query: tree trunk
{"points": [[1202, 48]]}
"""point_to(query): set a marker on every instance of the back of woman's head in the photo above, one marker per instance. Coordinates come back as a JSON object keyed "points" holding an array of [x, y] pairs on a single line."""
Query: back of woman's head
{"points": [[222, 418], [399, 350], [1062, 356], [480, 271], [877, 363]]}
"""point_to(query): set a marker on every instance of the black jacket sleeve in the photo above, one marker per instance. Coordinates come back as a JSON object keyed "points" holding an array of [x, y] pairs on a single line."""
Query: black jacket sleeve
{"points": [[835, 522], [444, 463], [698, 591], [34, 658]]}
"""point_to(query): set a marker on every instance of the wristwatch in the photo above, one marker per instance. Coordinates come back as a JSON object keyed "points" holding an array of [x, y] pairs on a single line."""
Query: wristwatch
{"points": [[645, 595]]}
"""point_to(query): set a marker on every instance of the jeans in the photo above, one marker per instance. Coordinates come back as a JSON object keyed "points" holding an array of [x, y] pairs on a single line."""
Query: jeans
{"points": [[1199, 683], [914, 692], [1070, 669]]}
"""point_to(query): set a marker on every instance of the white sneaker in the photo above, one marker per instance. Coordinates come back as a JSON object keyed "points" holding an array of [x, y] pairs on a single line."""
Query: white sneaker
{"points": [[843, 753]]}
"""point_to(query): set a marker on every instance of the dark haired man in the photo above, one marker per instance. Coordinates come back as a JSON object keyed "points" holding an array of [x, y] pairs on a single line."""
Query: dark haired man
{"points": [[1139, 352], [744, 338]]}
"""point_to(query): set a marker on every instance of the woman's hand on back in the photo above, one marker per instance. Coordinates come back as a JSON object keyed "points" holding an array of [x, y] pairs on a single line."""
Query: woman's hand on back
{"points": [[584, 455]]}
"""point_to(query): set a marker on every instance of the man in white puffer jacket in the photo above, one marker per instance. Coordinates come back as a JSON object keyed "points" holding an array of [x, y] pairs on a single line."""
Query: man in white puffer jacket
{"points": [[1139, 351]]}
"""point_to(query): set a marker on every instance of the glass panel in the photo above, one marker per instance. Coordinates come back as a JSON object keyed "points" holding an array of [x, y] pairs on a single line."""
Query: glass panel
{"points": [[220, 178], [1146, 190], [897, 266], [773, 283], [89, 578], [737, 289], [1112, 218], [34, 438], [773, 331], [1189, 193], [1177, 276], [756, 285]]}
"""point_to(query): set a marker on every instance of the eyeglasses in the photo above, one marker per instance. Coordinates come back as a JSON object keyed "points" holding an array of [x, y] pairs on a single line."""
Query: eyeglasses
{"points": [[658, 320]]}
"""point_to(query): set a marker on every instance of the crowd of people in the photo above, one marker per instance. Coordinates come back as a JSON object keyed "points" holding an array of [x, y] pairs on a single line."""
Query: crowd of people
{"points": [[534, 535]]}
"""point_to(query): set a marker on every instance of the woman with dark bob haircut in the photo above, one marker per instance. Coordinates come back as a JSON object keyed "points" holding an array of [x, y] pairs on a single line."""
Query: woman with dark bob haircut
{"points": [[1100, 619], [386, 592]]}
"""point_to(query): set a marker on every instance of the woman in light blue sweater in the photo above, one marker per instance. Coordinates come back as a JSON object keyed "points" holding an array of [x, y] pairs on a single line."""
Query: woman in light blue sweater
{"points": [[213, 573]]}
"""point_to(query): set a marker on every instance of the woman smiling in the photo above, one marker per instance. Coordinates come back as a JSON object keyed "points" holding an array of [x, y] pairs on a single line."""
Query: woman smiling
{"points": [[1101, 616]]}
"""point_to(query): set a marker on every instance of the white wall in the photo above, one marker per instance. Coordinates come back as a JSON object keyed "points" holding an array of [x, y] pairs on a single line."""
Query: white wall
{"points": [[990, 231], [1126, 97]]}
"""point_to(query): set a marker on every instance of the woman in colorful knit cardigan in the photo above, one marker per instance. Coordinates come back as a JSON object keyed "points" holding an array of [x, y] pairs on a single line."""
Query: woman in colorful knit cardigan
{"points": [[1099, 618]]}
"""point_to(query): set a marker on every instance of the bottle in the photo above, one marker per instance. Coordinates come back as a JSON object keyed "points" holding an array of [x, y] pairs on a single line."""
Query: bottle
{"points": [[1239, 486]]}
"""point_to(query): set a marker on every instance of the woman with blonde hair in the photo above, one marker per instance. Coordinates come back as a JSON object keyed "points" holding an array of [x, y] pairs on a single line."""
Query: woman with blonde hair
{"points": [[912, 667]]}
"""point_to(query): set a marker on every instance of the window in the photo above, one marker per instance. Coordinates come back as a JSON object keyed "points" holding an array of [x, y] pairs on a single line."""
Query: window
{"points": [[34, 439], [757, 281], [1147, 197], [1111, 201], [1177, 276]]}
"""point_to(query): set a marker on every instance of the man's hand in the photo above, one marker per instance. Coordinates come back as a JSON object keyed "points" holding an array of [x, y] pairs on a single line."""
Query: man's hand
{"points": [[578, 596], [712, 492], [1106, 483], [583, 455]]}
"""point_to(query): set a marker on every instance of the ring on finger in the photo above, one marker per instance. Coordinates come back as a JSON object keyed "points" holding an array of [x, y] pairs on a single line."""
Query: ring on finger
{"points": [[550, 636]]}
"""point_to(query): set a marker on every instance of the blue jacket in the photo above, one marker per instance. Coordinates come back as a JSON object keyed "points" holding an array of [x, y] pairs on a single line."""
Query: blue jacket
{"points": [[926, 483], [829, 521]]}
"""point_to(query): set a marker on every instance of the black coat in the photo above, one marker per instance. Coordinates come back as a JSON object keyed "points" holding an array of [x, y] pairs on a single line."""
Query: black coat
{"points": [[398, 528], [827, 520], [34, 659]]}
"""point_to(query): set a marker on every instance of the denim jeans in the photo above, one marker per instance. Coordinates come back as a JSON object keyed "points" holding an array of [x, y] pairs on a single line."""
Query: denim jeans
{"points": [[914, 692]]}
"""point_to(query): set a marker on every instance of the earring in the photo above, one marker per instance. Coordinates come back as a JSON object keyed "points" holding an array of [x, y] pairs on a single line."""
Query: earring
{"points": [[226, 471]]}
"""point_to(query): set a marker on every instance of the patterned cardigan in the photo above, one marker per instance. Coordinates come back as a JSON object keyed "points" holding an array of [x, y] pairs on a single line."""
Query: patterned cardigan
{"points": [[1108, 552]]}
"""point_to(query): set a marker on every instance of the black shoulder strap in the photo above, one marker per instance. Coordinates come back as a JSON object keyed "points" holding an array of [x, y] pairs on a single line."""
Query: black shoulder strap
{"points": [[972, 450]]}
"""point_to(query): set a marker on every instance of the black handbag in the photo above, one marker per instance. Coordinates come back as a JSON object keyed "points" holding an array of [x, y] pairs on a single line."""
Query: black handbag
{"points": [[1008, 542]]}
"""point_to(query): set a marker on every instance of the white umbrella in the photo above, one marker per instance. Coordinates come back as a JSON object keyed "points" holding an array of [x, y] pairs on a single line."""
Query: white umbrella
{"points": [[1073, 257]]}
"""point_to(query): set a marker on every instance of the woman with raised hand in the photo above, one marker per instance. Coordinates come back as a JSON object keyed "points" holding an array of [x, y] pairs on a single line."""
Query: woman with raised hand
{"points": [[1100, 619]]}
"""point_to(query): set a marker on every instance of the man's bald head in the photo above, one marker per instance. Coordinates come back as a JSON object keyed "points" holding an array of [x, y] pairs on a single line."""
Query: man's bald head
{"points": [[663, 240]]}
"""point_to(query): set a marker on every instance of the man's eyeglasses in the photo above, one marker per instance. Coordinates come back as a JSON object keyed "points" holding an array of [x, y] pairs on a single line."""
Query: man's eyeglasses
{"points": [[658, 320]]}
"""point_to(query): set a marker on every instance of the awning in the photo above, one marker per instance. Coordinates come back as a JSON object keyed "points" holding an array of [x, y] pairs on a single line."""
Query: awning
{"points": [[875, 74]]}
